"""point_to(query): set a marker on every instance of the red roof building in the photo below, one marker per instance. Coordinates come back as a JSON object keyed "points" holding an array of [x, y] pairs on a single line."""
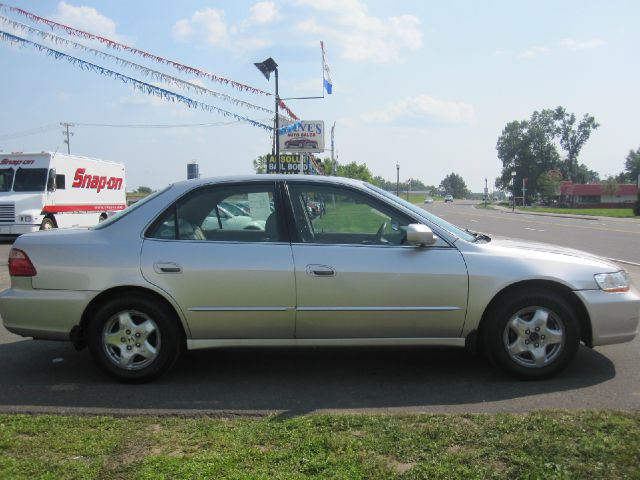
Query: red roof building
{"points": [[593, 195]]}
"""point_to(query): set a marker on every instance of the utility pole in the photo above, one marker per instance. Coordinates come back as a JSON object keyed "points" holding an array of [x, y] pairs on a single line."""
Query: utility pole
{"points": [[398, 180], [333, 160], [67, 134]]}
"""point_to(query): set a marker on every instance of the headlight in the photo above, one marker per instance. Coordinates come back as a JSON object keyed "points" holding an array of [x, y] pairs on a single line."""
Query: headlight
{"points": [[25, 218], [613, 282]]}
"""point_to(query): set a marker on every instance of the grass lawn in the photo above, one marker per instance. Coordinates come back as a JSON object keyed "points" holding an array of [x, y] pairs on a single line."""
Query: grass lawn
{"points": [[538, 445], [604, 212]]}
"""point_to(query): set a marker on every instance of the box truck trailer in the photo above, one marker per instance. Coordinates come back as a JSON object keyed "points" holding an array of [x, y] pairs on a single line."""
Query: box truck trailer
{"points": [[40, 191]]}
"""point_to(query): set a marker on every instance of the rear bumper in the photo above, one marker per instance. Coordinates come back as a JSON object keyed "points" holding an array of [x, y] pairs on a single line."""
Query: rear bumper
{"points": [[43, 314], [614, 316]]}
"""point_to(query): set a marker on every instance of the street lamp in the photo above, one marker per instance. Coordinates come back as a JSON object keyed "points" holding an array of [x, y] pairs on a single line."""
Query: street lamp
{"points": [[513, 191], [398, 180], [266, 67]]}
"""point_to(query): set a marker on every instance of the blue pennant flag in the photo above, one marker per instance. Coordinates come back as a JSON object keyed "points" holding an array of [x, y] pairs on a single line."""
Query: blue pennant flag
{"points": [[326, 72]]}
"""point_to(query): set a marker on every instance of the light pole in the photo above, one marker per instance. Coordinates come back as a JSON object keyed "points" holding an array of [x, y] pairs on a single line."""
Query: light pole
{"points": [[266, 67], [398, 180], [513, 191]]}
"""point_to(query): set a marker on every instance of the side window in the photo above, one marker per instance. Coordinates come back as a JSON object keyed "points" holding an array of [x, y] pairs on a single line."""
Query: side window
{"points": [[235, 213], [342, 216], [60, 181]]}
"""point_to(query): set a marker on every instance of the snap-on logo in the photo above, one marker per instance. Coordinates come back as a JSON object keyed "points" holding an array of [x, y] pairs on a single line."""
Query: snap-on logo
{"points": [[7, 161], [97, 182]]}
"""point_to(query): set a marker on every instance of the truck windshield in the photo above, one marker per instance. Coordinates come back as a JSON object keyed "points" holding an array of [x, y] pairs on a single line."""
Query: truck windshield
{"points": [[6, 178], [30, 180]]}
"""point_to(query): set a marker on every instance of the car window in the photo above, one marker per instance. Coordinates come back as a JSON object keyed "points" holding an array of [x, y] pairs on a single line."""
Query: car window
{"points": [[343, 216], [237, 213]]}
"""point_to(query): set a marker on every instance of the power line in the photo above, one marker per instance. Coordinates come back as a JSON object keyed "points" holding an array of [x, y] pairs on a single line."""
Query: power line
{"points": [[30, 131]]}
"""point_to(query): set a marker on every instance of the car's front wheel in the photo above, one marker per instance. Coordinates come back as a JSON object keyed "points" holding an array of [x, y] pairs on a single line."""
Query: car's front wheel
{"points": [[134, 338], [532, 333]]}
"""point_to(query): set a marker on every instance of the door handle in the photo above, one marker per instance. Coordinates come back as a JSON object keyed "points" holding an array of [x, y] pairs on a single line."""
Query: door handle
{"points": [[320, 271], [167, 267]]}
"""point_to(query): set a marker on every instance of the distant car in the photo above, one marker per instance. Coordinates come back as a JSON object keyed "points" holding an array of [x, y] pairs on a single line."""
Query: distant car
{"points": [[448, 198], [301, 143], [172, 272], [428, 200]]}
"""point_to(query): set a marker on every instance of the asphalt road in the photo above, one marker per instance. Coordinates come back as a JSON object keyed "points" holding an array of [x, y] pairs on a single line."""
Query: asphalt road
{"points": [[39, 376]]}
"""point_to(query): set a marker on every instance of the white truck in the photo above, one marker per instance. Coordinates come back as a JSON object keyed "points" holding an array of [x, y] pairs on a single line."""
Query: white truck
{"points": [[40, 191]]}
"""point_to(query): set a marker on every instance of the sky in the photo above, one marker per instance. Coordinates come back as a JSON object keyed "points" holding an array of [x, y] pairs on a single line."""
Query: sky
{"points": [[423, 84]]}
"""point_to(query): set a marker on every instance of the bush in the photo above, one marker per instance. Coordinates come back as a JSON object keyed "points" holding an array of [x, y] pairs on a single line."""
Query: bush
{"points": [[636, 208]]}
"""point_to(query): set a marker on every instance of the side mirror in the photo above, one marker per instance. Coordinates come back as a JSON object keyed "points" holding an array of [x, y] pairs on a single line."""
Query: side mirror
{"points": [[418, 234], [51, 181]]}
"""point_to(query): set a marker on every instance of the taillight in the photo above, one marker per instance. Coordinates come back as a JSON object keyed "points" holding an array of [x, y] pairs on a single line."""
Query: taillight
{"points": [[20, 265]]}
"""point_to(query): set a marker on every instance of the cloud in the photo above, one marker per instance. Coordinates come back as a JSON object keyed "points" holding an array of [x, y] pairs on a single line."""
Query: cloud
{"points": [[423, 107], [263, 13], [207, 25], [359, 35], [534, 52], [573, 46], [89, 19]]}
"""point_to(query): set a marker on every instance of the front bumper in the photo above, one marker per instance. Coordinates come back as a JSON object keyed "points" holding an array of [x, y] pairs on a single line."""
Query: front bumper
{"points": [[18, 228], [43, 314], [614, 316]]}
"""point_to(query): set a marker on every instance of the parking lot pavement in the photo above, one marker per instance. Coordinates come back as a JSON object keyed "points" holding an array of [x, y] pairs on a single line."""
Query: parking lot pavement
{"points": [[40, 376]]}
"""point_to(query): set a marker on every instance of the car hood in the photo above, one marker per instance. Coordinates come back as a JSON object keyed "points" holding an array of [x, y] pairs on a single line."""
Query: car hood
{"points": [[510, 243], [504, 261]]}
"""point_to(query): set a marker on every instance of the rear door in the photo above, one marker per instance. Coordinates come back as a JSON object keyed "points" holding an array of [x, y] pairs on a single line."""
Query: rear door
{"points": [[231, 275]]}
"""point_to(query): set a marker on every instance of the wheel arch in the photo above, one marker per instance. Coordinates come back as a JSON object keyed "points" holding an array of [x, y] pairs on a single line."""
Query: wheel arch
{"points": [[78, 335], [565, 292]]}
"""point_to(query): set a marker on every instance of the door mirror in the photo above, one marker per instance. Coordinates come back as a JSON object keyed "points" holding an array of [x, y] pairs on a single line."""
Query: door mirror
{"points": [[418, 234], [51, 181]]}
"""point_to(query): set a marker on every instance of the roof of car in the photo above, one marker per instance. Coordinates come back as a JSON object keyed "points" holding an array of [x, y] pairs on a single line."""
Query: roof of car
{"points": [[269, 177]]}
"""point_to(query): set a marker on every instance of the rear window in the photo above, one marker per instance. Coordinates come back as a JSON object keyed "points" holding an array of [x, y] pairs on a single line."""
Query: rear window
{"points": [[113, 219]]}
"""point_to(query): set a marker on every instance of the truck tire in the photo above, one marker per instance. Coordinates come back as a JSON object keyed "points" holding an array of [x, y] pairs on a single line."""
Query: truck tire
{"points": [[48, 223]]}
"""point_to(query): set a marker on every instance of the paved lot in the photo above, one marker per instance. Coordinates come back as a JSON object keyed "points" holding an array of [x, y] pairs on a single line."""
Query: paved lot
{"points": [[38, 376]]}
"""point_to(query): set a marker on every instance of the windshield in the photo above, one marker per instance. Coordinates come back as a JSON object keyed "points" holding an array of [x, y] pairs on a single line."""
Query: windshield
{"points": [[111, 220], [449, 227], [6, 178], [30, 180]]}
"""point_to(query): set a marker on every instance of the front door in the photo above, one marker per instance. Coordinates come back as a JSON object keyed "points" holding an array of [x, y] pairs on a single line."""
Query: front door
{"points": [[355, 277]]}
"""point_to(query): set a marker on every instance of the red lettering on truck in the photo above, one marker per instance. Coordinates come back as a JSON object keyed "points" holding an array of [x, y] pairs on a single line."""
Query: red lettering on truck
{"points": [[95, 182]]}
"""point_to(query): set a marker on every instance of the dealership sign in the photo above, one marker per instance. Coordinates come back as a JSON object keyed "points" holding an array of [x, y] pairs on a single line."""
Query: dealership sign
{"points": [[308, 137], [289, 164]]}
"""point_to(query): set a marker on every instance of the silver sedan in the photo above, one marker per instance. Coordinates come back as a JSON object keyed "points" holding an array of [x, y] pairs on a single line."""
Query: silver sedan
{"points": [[364, 268]]}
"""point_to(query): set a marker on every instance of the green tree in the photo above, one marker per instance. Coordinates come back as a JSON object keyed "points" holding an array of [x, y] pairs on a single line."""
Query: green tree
{"points": [[610, 186], [573, 137], [144, 190], [584, 175], [548, 185], [526, 150], [455, 185], [632, 166], [355, 170], [260, 164]]}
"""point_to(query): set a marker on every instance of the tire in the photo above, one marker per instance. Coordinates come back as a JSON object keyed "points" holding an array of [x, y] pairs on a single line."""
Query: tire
{"points": [[134, 339], [511, 340], [48, 223]]}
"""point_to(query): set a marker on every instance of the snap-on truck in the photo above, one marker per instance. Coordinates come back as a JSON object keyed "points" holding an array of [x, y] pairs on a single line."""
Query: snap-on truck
{"points": [[40, 191]]}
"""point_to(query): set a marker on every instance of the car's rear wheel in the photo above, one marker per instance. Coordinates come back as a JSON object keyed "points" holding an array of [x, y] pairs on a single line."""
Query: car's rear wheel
{"points": [[134, 338], [532, 333]]}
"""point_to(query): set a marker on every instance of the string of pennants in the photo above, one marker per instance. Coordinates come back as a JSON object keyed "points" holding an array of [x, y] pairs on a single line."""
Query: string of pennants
{"points": [[137, 84], [147, 72], [153, 74]]}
